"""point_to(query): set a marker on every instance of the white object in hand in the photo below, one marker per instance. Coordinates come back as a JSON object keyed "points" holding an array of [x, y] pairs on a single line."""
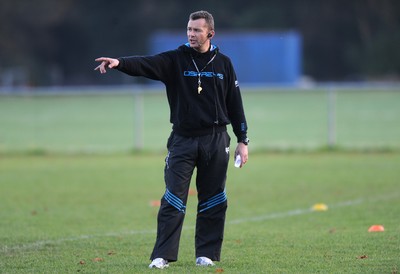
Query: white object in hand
{"points": [[238, 161]]}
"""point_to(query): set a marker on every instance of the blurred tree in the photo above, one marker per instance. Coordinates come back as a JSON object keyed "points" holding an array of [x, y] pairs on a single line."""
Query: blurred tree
{"points": [[25, 36], [55, 42], [378, 25]]}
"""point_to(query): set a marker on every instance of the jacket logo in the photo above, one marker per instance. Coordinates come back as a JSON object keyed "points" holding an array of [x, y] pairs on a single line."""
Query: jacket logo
{"points": [[210, 74]]}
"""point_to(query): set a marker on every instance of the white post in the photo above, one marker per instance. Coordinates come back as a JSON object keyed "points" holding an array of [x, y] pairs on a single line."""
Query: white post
{"points": [[331, 117], [138, 127]]}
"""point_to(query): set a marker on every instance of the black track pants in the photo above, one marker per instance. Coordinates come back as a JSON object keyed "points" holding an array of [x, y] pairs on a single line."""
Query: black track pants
{"points": [[210, 155]]}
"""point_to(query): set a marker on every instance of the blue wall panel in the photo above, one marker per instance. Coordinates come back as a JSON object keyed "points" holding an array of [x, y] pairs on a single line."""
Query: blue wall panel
{"points": [[258, 57]]}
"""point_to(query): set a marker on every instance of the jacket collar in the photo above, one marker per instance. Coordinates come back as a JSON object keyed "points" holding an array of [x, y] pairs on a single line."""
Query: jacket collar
{"points": [[186, 48]]}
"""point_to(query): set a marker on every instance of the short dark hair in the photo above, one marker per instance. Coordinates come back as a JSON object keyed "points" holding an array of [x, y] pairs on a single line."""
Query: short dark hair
{"points": [[205, 15]]}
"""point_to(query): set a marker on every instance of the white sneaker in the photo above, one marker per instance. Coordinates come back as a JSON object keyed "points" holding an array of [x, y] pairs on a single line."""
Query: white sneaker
{"points": [[204, 261], [159, 263]]}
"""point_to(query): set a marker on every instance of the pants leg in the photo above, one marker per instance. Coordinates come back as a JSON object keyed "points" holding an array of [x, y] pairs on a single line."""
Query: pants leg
{"points": [[211, 177], [179, 166]]}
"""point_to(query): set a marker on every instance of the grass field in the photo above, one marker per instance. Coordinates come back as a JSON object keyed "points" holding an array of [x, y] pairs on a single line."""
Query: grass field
{"points": [[93, 214], [75, 199], [278, 119]]}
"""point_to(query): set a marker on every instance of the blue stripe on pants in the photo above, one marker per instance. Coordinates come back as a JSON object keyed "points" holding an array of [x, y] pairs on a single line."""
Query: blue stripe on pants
{"points": [[174, 201], [213, 201]]}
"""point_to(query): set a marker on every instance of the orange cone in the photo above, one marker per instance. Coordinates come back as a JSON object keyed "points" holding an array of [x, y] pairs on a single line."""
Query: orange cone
{"points": [[376, 228], [192, 192], [155, 203]]}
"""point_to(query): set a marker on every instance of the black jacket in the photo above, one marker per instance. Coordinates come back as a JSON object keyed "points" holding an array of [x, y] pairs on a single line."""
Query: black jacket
{"points": [[191, 113]]}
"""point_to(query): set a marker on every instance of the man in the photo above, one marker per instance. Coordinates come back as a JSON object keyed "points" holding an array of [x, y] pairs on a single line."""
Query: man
{"points": [[204, 96]]}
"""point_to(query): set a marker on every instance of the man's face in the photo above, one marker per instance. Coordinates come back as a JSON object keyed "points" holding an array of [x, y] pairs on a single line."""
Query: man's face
{"points": [[197, 31]]}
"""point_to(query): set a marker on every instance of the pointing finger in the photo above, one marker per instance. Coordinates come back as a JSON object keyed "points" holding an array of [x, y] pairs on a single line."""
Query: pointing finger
{"points": [[100, 59]]}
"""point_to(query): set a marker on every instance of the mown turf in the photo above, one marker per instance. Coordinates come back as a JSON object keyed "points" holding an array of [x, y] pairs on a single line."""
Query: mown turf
{"points": [[94, 214]]}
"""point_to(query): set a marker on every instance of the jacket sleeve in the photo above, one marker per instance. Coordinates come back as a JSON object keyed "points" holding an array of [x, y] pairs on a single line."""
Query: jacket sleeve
{"points": [[155, 67], [235, 106]]}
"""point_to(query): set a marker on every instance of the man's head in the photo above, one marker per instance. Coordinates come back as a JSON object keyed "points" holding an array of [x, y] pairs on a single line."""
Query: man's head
{"points": [[202, 14], [200, 30]]}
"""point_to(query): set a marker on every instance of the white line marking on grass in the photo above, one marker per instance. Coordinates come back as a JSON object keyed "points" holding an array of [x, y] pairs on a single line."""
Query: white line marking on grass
{"points": [[290, 213], [295, 212], [271, 216], [39, 244]]}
